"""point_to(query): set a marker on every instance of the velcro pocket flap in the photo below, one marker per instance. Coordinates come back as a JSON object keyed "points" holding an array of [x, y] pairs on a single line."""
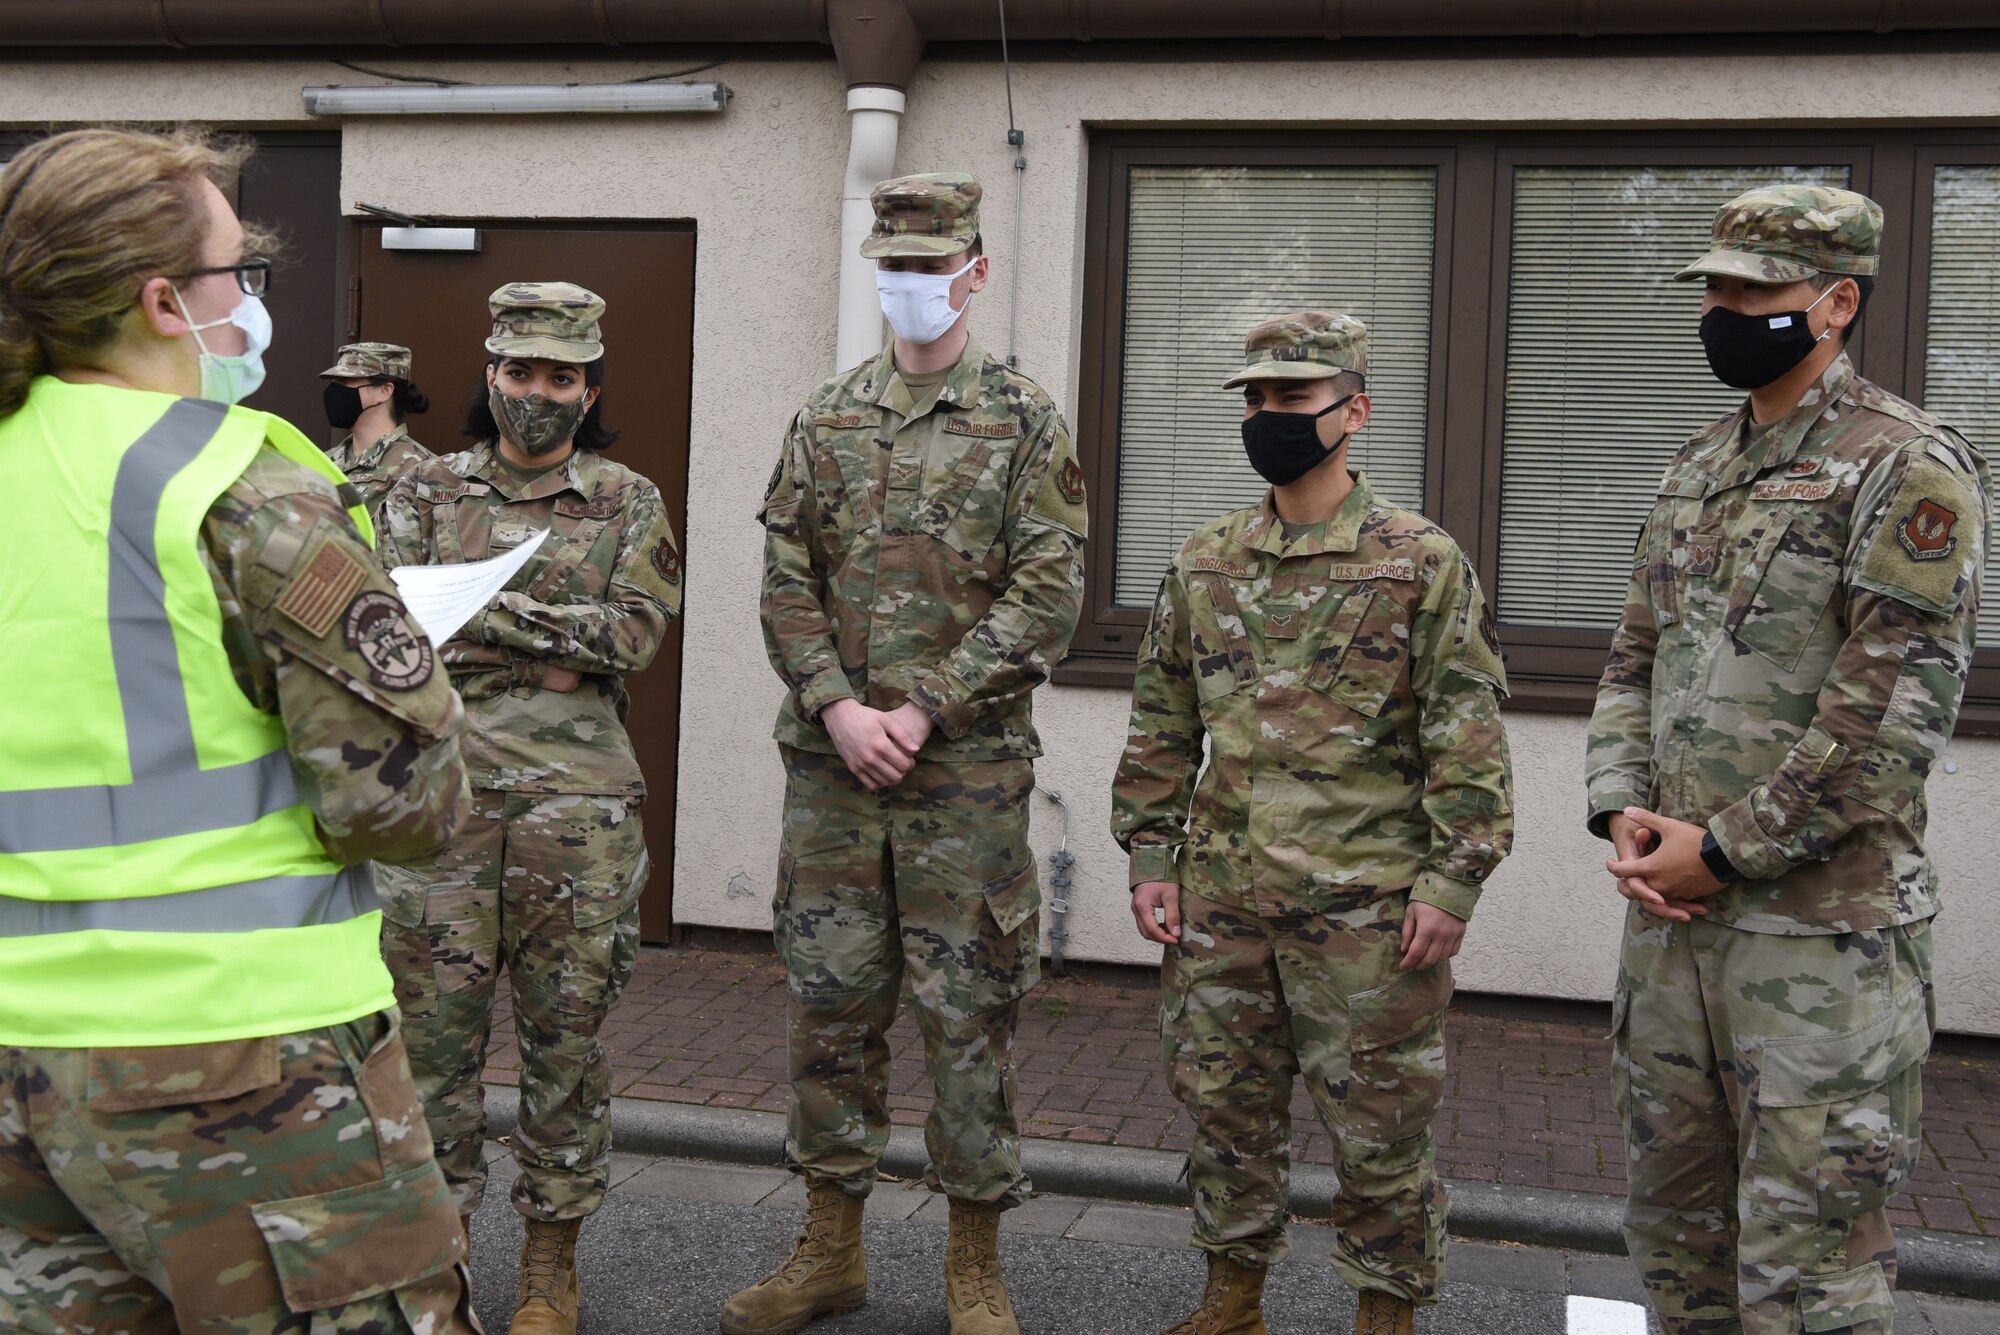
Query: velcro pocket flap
{"points": [[1013, 898], [607, 892], [135, 1079], [1811, 1069], [1778, 618], [342, 1246], [401, 892], [1857, 1299], [1405, 1005]]}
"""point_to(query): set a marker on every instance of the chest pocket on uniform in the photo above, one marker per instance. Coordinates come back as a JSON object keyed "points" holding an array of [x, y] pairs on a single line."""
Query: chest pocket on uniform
{"points": [[965, 514], [1360, 660], [1780, 601], [1221, 642], [569, 565]]}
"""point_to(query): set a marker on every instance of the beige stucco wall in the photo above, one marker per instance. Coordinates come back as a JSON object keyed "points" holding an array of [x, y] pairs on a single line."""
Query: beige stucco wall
{"points": [[762, 184]]}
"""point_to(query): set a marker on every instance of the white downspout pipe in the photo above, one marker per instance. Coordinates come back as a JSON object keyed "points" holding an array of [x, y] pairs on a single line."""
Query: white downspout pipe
{"points": [[871, 156]]}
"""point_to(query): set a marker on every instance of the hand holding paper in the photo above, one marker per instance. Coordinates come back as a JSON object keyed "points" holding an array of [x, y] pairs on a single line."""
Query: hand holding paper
{"points": [[441, 599]]}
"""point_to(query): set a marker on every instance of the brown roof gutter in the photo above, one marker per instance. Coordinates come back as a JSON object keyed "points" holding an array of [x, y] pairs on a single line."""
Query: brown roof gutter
{"points": [[880, 41]]}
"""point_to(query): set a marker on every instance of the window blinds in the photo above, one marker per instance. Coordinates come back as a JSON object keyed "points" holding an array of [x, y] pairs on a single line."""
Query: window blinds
{"points": [[1962, 341], [1605, 372], [1210, 253]]}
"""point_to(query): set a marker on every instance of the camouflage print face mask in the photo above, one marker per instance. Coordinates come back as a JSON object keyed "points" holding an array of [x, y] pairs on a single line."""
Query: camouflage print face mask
{"points": [[536, 424]]}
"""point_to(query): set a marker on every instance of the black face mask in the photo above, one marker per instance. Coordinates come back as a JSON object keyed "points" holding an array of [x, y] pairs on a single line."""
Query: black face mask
{"points": [[1751, 351], [343, 405], [1284, 447]]}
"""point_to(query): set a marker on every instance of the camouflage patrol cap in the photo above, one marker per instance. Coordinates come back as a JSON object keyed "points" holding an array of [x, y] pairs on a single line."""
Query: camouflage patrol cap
{"points": [[933, 214], [1784, 233], [557, 321], [370, 361], [1306, 345]]}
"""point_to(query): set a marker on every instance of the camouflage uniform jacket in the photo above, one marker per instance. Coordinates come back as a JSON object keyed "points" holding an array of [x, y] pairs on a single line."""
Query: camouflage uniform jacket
{"points": [[923, 553], [374, 750], [1347, 683], [1794, 647], [595, 598], [374, 470]]}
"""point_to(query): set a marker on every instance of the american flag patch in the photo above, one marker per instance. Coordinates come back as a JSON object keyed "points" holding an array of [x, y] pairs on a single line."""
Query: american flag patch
{"points": [[323, 589]]}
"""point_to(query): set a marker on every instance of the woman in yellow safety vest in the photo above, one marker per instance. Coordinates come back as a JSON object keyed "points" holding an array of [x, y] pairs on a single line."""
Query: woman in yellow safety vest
{"points": [[215, 711]]}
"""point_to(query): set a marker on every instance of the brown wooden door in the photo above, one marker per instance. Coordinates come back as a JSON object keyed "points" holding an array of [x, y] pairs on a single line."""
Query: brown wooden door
{"points": [[435, 304]]}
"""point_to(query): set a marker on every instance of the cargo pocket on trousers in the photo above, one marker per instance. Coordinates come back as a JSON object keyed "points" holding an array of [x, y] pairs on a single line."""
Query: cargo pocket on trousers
{"points": [[1000, 957], [605, 947], [1177, 1056], [343, 1246], [406, 941], [1396, 1056], [1859, 1299], [390, 1094], [1835, 1116]]}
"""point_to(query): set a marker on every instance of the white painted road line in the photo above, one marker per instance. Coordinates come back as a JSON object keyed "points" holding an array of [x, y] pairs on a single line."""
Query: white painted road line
{"points": [[1603, 1316]]}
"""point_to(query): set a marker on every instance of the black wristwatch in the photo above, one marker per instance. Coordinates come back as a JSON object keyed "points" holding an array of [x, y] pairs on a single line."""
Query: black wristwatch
{"points": [[1718, 863]]}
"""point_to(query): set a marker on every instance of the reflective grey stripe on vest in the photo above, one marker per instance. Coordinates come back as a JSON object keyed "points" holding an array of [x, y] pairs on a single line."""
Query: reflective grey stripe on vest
{"points": [[253, 906], [170, 794]]}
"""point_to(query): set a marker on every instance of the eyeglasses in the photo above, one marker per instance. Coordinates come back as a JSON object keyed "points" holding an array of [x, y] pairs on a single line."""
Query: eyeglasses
{"points": [[253, 276]]}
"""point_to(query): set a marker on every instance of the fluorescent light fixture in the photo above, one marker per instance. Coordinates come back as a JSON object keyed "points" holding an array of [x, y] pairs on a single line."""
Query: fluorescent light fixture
{"points": [[513, 99], [464, 240]]}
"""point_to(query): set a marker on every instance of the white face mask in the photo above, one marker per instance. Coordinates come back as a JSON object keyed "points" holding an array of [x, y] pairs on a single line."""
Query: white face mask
{"points": [[233, 379], [918, 305]]}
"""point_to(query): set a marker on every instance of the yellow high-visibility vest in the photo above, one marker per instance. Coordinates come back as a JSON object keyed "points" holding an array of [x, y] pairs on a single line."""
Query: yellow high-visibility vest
{"points": [[161, 882]]}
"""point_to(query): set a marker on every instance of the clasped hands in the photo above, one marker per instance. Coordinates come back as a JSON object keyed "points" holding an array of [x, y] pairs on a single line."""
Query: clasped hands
{"points": [[880, 746], [1430, 935], [1658, 864]]}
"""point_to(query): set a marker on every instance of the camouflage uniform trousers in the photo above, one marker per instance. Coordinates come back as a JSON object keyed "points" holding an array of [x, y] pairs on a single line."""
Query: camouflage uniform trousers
{"points": [[548, 885], [1772, 1090], [247, 1187], [933, 879], [1250, 1002]]}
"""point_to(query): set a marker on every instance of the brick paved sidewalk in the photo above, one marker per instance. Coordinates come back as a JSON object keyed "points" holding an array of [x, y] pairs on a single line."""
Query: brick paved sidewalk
{"points": [[1528, 1101]]}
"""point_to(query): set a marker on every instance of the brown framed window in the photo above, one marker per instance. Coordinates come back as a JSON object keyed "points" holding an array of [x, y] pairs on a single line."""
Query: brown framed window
{"points": [[1534, 363]]}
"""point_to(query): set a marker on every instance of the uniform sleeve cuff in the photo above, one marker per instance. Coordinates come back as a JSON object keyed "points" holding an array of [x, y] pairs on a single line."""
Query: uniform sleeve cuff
{"points": [[1453, 896], [1153, 862], [1605, 804], [944, 700], [822, 689], [1743, 841]]}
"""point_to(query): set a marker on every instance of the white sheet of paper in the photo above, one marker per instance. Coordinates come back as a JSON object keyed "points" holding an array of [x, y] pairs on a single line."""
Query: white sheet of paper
{"points": [[443, 598]]}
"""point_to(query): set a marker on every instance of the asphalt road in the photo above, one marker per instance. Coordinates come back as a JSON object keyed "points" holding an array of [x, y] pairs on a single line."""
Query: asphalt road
{"points": [[676, 1238]]}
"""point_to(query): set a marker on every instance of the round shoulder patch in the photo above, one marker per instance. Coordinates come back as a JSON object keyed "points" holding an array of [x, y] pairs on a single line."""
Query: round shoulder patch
{"points": [[398, 658]]}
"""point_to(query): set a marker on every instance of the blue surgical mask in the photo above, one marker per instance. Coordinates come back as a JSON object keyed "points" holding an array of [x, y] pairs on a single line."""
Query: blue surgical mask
{"points": [[233, 379]]}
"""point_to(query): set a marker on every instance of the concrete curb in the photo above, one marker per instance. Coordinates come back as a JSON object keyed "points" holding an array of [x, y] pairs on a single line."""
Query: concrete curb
{"points": [[1958, 1264]]}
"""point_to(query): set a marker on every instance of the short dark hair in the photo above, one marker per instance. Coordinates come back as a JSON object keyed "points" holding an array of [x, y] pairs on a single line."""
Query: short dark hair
{"points": [[592, 435], [1864, 284], [407, 399], [978, 246]]}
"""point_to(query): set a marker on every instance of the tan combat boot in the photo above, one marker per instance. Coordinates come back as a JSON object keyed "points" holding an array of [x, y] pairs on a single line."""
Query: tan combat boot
{"points": [[1232, 1304], [974, 1295], [550, 1300], [1385, 1314], [824, 1276]]}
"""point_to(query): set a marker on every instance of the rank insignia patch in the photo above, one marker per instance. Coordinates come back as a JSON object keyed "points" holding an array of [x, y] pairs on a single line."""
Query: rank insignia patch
{"points": [[398, 657], [1926, 532]]}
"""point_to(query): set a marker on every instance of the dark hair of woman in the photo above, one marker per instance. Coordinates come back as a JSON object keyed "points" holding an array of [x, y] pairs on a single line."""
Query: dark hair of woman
{"points": [[592, 435], [407, 399]]}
